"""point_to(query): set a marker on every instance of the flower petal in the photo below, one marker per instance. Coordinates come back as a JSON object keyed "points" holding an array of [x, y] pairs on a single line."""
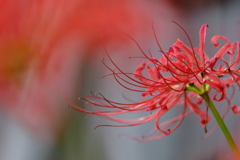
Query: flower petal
{"points": [[236, 109], [202, 41]]}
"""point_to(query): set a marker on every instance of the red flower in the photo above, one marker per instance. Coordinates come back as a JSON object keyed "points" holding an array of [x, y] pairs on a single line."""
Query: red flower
{"points": [[39, 43], [169, 79]]}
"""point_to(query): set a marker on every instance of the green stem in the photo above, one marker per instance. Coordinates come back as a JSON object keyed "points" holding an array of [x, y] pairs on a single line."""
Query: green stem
{"points": [[222, 125]]}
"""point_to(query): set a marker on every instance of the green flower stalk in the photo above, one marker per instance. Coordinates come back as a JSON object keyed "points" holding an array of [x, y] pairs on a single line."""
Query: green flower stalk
{"points": [[204, 94]]}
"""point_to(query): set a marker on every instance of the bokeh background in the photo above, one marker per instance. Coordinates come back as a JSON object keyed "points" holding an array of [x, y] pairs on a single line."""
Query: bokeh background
{"points": [[49, 45]]}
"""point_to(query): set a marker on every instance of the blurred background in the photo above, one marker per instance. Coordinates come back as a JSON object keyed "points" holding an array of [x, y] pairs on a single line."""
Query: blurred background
{"points": [[46, 45]]}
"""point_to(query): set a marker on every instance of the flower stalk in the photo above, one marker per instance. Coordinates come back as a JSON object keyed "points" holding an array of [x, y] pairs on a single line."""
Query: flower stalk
{"points": [[221, 125], [204, 94]]}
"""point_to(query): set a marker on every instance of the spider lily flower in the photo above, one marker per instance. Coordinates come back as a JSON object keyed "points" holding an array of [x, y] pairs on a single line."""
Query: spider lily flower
{"points": [[178, 78]]}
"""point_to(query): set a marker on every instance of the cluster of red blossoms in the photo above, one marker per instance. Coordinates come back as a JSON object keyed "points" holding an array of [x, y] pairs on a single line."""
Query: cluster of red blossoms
{"points": [[179, 77]]}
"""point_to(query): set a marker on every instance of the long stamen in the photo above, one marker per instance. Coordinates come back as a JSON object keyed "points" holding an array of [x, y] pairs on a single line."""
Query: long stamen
{"points": [[194, 55]]}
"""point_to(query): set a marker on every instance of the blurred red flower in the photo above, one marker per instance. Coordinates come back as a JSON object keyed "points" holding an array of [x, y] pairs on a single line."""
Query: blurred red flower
{"points": [[39, 43]]}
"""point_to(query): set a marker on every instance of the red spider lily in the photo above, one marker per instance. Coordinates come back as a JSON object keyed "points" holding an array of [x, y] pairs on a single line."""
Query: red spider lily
{"points": [[165, 83]]}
